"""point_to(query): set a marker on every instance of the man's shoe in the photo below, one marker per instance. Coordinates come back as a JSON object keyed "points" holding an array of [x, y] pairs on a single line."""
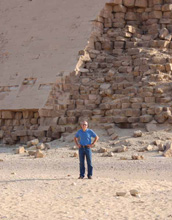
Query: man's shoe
{"points": [[80, 177], [90, 177]]}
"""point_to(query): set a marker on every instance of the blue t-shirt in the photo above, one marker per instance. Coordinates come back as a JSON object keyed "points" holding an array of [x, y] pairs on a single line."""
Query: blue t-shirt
{"points": [[85, 136]]}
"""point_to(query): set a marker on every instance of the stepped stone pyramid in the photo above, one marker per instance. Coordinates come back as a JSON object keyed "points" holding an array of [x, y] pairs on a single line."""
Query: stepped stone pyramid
{"points": [[123, 76]]}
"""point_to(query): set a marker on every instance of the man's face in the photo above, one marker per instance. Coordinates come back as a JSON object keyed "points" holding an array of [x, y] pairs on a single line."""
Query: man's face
{"points": [[84, 126]]}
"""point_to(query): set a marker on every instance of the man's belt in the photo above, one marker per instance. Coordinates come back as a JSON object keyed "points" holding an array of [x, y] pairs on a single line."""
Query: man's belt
{"points": [[84, 146]]}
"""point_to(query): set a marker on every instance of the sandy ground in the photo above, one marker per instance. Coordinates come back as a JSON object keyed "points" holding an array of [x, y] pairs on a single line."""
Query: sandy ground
{"points": [[48, 188]]}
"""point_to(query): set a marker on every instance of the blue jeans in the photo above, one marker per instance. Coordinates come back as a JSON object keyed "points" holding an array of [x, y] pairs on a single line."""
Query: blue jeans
{"points": [[85, 152]]}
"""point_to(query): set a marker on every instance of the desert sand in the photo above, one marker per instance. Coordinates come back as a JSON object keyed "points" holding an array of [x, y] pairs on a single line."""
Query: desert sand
{"points": [[49, 188]]}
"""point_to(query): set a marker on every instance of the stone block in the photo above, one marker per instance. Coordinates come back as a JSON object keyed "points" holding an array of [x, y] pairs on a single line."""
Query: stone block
{"points": [[141, 3], [8, 115], [157, 8], [133, 119], [130, 16], [16, 122], [1, 134], [155, 14], [23, 139], [168, 67], [27, 114], [120, 119], [119, 44], [58, 129], [71, 120], [149, 99], [39, 154], [129, 112], [104, 106], [21, 133], [62, 121], [120, 8], [39, 134], [36, 115], [137, 133], [117, 2], [167, 7], [136, 100], [18, 115], [163, 33], [129, 3], [20, 150], [146, 118], [126, 105], [157, 2], [34, 121], [165, 21]]}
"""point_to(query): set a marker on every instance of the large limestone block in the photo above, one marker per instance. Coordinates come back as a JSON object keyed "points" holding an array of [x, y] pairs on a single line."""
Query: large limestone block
{"points": [[39, 154], [120, 119], [20, 150], [145, 118], [163, 33], [129, 3], [157, 2], [167, 7], [155, 14], [141, 3], [117, 2], [8, 114], [130, 16], [27, 114], [168, 151], [119, 8]]}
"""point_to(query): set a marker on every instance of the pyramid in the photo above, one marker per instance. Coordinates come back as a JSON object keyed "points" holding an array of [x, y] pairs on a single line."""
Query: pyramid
{"points": [[123, 76]]}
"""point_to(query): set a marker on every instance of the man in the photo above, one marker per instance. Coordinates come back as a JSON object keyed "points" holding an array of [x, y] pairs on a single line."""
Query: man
{"points": [[83, 141]]}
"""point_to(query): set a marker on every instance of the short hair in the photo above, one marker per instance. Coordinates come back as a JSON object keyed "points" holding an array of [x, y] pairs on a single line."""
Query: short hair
{"points": [[83, 122]]}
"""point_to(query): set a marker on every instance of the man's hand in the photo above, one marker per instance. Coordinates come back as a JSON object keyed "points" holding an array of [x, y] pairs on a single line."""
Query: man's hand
{"points": [[78, 145], [90, 145]]}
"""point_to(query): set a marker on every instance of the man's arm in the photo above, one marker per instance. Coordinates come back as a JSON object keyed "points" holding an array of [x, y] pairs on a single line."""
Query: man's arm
{"points": [[76, 142], [94, 142]]}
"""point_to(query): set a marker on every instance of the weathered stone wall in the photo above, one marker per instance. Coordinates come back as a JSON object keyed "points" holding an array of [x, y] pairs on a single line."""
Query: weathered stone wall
{"points": [[124, 75]]}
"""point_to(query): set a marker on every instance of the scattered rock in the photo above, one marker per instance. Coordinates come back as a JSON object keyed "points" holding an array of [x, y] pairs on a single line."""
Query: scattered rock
{"points": [[20, 150], [114, 136], [157, 142], [149, 148], [102, 150], [74, 148], [31, 153], [168, 150], [32, 142], [1, 160], [121, 193], [161, 147], [39, 154], [47, 146], [151, 127], [41, 146], [137, 157], [123, 158], [73, 184], [137, 133], [111, 131], [134, 192], [33, 148], [110, 154], [120, 149], [75, 154]]}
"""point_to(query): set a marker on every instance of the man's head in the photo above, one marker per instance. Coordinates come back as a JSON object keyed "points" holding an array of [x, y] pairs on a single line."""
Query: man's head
{"points": [[84, 125]]}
